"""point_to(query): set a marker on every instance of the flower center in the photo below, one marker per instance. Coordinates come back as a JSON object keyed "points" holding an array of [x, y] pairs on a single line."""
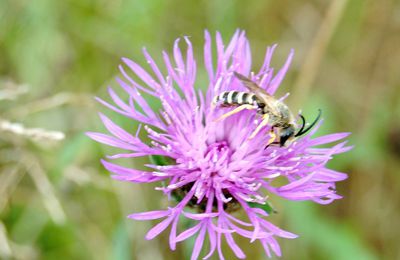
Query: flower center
{"points": [[218, 151], [216, 158], [212, 168]]}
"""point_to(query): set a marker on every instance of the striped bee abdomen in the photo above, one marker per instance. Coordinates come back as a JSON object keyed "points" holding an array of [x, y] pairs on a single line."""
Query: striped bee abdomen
{"points": [[235, 98]]}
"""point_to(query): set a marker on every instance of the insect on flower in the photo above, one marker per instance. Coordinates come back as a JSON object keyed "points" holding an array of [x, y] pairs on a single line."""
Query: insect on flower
{"points": [[274, 112], [214, 169]]}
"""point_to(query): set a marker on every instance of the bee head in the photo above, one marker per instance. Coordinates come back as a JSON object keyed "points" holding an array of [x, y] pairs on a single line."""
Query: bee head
{"points": [[286, 134]]}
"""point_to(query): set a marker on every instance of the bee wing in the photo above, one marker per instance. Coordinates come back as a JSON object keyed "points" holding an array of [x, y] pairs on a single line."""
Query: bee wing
{"points": [[260, 93]]}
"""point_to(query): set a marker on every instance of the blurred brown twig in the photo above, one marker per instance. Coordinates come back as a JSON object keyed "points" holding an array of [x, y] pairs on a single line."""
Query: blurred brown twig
{"points": [[315, 53]]}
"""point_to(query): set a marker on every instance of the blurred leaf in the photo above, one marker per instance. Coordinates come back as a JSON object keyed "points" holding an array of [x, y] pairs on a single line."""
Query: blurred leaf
{"points": [[158, 160], [74, 146], [30, 223], [121, 248], [11, 216], [267, 207], [333, 239], [60, 242]]}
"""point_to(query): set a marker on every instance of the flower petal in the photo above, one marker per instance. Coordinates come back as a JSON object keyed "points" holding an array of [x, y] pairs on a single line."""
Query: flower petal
{"points": [[199, 242], [188, 233], [150, 215], [160, 227]]}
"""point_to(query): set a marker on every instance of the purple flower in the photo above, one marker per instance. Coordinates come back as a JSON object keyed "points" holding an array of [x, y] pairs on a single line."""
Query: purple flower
{"points": [[215, 168]]}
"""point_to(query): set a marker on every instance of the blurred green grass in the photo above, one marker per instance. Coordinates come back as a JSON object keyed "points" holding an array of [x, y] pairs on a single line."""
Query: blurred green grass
{"points": [[66, 52]]}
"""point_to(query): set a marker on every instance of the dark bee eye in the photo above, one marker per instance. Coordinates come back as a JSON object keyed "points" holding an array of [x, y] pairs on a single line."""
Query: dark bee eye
{"points": [[286, 133], [283, 140], [260, 105]]}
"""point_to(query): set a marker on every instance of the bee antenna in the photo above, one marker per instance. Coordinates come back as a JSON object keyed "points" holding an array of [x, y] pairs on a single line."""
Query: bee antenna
{"points": [[302, 125], [302, 132]]}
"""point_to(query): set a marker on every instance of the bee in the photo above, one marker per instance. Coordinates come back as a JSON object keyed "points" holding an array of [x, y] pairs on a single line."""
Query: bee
{"points": [[273, 111]]}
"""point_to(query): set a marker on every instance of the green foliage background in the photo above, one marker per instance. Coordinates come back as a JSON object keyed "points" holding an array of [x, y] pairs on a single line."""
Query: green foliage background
{"points": [[57, 202]]}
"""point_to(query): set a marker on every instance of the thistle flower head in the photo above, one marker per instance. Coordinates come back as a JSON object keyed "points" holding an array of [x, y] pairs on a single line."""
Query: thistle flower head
{"points": [[215, 169]]}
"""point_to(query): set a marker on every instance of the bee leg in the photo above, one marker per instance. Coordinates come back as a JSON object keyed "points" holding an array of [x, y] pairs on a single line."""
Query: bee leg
{"points": [[263, 123], [273, 137], [236, 110], [273, 143]]}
